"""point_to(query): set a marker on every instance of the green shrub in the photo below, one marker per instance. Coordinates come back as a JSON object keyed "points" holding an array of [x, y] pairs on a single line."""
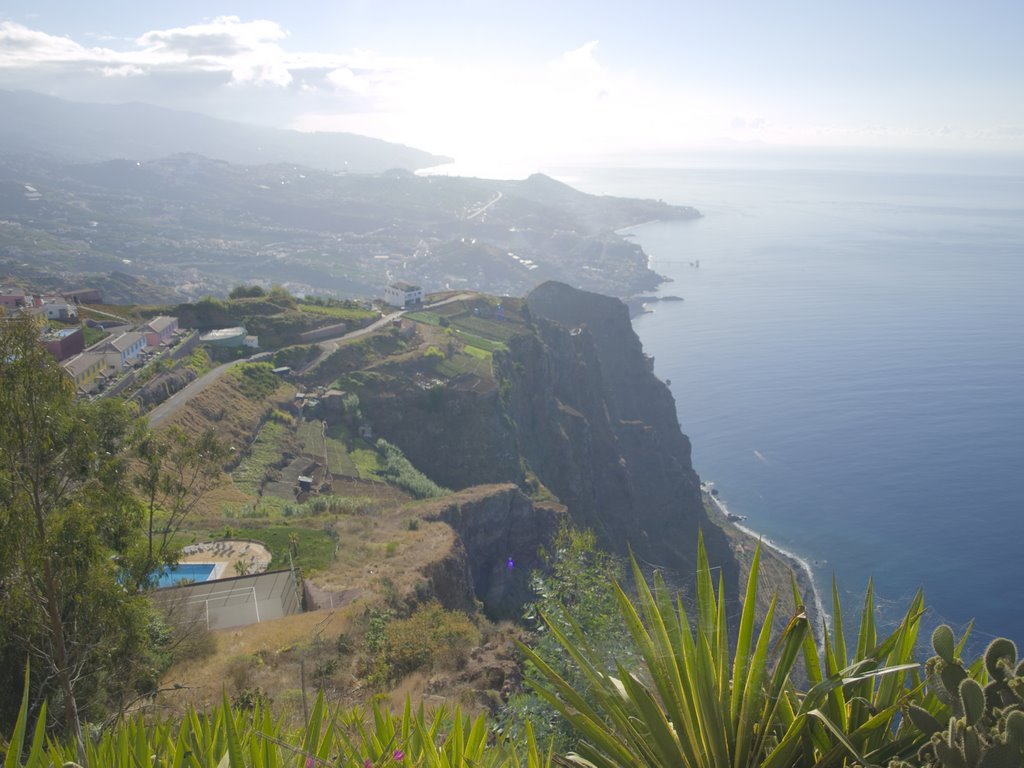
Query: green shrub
{"points": [[295, 356], [432, 356], [400, 471], [578, 582], [315, 549], [430, 637], [256, 380]]}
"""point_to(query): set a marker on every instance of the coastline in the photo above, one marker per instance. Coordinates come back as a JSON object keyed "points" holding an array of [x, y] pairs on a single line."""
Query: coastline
{"points": [[799, 566]]}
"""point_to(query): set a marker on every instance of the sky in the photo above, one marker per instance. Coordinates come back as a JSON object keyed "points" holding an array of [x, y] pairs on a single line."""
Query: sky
{"points": [[531, 81]]}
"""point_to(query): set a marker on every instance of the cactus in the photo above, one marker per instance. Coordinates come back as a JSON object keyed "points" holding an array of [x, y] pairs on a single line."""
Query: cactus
{"points": [[1000, 657], [1015, 730], [984, 727], [972, 699], [943, 643]]}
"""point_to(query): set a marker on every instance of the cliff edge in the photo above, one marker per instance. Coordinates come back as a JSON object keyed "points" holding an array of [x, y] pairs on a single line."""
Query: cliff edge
{"points": [[600, 430], [564, 401]]}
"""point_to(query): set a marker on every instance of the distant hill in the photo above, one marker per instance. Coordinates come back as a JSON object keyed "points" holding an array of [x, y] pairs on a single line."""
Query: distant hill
{"points": [[83, 131], [196, 226]]}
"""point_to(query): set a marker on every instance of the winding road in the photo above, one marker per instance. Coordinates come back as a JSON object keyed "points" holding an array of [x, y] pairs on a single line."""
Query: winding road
{"points": [[170, 406]]}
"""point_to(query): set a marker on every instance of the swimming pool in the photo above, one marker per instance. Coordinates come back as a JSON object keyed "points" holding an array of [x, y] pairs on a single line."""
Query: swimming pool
{"points": [[170, 577]]}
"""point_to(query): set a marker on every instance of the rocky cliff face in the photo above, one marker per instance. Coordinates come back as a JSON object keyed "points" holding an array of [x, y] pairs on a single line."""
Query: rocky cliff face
{"points": [[601, 431], [501, 532], [575, 403], [458, 438]]}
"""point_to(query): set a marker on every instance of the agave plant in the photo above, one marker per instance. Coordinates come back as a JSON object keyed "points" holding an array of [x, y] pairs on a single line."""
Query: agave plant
{"points": [[701, 700], [230, 737], [860, 718]]}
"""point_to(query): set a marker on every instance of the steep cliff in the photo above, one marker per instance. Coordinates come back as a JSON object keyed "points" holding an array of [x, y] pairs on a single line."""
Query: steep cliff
{"points": [[601, 431], [570, 401], [501, 532]]}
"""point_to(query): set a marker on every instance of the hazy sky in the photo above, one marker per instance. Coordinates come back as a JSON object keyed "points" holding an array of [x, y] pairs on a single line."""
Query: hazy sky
{"points": [[534, 80]]}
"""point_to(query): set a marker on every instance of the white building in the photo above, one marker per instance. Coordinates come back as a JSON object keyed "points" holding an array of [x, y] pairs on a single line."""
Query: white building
{"points": [[60, 310], [122, 351], [403, 294], [225, 337]]}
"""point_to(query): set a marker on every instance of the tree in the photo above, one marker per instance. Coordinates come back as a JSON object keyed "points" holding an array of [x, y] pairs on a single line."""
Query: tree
{"points": [[245, 291], [67, 514], [281, 294], [176, 472]]}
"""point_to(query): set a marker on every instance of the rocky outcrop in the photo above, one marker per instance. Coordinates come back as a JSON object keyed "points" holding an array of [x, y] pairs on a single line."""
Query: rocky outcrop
{"points": [[450, 580], [458, 438], [502, 532]]}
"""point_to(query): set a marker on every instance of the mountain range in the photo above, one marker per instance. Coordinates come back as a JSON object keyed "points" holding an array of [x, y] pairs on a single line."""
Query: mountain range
{"points": [[90, 132]]}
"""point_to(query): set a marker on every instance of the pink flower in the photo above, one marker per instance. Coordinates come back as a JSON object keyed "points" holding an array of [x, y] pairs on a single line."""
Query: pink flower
{"points": [[309, 761], [399, 755], [367, 763]]}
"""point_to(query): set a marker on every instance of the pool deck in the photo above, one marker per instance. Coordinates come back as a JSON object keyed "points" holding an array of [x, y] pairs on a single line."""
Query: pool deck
{"points": [[229, 557]]}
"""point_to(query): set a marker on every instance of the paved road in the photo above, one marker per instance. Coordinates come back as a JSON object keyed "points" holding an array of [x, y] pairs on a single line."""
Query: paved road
{"points": [[177, 400], [329, 346], [485, 206], [105, 314]]}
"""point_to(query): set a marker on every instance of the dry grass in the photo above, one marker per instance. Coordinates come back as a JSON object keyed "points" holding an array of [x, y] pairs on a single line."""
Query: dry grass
{"points": [[223, 408], [268, 655], [380, 563], [384, 549]]}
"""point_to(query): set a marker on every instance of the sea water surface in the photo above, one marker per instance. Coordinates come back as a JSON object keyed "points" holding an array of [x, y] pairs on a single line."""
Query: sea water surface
{"points": [[848, 362]]}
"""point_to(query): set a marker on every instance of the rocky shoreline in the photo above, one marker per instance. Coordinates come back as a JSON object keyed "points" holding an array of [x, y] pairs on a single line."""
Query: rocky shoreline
{"points": [[778, 566], [638, 304]]}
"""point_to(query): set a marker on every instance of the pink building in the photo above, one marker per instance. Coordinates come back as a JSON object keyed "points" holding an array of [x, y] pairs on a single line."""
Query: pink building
{"points": [[159, 329], [13, 301]]}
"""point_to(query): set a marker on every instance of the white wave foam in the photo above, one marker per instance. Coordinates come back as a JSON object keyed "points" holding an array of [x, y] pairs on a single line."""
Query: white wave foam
{"points": [[801, 562]]}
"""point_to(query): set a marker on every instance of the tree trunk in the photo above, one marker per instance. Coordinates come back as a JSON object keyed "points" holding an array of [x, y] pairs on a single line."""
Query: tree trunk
{"points": [[60, 663]]}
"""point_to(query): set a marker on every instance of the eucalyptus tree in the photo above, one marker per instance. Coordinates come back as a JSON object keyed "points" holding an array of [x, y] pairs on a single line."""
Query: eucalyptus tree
{"points": [[174, 471], [67, 516]]}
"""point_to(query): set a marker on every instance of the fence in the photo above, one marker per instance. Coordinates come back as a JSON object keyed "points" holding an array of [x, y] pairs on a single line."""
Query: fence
{"points": [[235, 602]]}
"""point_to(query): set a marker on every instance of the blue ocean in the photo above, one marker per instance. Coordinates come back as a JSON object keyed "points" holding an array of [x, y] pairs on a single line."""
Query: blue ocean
{"points": [[848, 362]]}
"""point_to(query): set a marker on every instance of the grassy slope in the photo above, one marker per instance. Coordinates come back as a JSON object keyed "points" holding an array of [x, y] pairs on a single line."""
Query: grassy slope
{"points": [[370, 552]]}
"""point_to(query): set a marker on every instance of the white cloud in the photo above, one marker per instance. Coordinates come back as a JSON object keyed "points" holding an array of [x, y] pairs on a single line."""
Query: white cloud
{"points": [[345, 79], [225, 36], [123, 70], [523, 110], [24, 47], [249, 52], [572, 104]]}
